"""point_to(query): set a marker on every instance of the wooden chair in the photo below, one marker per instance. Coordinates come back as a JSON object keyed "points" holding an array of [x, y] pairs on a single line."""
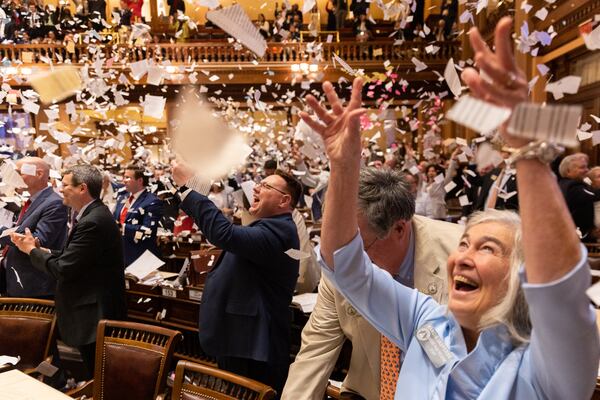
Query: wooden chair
{"points": [[27, 330], [196, 382], [132, 361], [332, 392]]}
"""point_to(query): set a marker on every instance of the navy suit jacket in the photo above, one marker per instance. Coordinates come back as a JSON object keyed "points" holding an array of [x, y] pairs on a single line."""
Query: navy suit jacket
{"points": [[46, 218], [89, 273], [580, 198], [142, 216], [244, 311]]}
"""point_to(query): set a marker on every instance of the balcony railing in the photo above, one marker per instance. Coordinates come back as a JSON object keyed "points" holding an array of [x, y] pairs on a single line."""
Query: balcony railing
{"points": [[200, 53]]}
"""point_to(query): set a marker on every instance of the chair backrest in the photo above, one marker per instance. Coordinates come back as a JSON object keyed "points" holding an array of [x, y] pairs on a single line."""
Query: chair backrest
{"points": [[27, 330], [197, 381], [332, 392], [132, 360]]}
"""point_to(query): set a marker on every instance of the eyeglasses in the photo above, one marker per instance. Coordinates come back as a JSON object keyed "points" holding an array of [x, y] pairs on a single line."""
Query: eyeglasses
{"points": [[267, 186]]}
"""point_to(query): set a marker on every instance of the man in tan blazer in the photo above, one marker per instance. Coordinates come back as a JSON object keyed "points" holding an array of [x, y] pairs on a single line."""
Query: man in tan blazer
{"points": [[412, 248]]}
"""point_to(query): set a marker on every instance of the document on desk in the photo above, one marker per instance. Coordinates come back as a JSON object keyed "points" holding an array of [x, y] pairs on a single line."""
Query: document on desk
{"points": [[18, 386], [144, 265], [4, 360]]}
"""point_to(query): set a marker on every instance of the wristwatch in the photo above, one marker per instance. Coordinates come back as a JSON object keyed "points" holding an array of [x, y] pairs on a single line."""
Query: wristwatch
{"points": [[544, 151]]}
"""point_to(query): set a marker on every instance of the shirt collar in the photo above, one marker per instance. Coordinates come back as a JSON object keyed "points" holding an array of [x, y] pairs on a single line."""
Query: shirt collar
{"points": [[406, 273], [136, 195], [80, 213], [35, 196]]}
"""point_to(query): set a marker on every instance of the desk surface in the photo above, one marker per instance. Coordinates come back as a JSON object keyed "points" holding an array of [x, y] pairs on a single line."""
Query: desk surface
{"points": [[19, 386]]}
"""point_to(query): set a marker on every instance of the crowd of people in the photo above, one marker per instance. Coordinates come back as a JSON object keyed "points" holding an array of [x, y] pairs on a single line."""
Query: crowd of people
{"points": [[24, 21], [491, 184], [492, 307], [36, 22]]}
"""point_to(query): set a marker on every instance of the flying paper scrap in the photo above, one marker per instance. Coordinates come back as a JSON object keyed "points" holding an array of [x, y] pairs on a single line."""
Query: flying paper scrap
{"points": [[308, 5], [206, 142], [478, 115], [56, 85], [306, 302], [154, 106], [10, 177], [592, 40], [209, 3], [248, 190], [419, 65], [236, 22], [452, 79], [338, 60], [297, 254], [555, 123], [568, 84], [312, 141]]}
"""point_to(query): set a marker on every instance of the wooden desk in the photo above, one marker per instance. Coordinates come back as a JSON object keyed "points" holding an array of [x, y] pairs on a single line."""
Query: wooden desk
{"points": [[6, 367], [19, 386]]}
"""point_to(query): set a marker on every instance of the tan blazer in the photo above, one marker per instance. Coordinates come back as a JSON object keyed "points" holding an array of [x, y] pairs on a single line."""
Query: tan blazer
{"points": [[334, 319]]}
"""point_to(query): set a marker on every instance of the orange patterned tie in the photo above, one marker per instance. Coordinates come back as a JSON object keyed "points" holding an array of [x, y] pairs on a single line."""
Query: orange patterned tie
{"points": [[390, 368]]}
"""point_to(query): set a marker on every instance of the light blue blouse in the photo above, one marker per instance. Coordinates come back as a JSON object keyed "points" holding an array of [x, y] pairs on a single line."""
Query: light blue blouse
{"points": [[560, 362]]}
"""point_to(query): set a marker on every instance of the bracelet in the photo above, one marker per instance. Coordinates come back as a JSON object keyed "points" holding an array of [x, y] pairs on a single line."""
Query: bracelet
{"points": [[543, 151]]}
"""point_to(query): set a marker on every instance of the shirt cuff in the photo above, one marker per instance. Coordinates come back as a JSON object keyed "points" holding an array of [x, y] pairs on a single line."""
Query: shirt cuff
{"points": [[342, 256]]}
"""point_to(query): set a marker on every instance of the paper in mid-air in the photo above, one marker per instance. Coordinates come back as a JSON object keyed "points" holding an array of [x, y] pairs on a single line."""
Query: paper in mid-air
{"points": [[236, 22], [56, 85], [206, 142]]}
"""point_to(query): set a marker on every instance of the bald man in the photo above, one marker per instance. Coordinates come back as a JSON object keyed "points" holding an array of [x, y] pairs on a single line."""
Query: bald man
{"points": [[46, 217], [594, 176]]}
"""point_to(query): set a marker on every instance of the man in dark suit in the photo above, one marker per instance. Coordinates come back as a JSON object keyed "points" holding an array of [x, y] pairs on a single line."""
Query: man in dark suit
{"points": [[97, 6], [46, 217], [175, 6], [341, 10], [138, 212], [89, 270], [244, 314], [498, 190], [580, 196]]}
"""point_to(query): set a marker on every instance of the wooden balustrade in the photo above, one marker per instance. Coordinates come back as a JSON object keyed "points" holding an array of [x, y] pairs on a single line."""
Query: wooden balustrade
{"points": [[353, 53]]}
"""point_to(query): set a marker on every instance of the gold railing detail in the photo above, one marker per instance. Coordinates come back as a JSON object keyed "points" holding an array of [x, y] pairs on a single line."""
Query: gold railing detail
{"points": [[225, 53]]}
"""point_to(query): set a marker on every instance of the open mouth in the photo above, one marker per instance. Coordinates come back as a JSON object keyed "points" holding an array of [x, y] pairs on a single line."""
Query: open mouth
{"points": [[464, 284]]}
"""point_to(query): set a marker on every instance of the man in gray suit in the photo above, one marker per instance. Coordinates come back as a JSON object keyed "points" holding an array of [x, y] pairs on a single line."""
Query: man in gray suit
{"points": [[46, 217], [411, 248]]}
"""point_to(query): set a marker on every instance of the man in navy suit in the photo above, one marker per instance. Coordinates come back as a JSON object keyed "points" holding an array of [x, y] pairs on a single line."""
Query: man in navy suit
{"points": [[46, 217], [244, 313], [138, 212]]}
